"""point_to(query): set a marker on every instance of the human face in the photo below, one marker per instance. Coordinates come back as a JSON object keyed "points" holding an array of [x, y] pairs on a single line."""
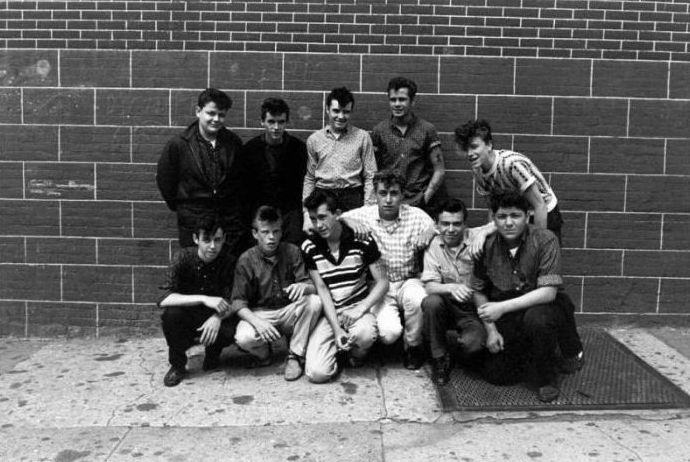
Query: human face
{"points": [[479, 153], [211, 120], [338, 116], [274, 127], [451, 225], [400, 103], [388, 199], [268, 236], [324, 221], [511, 222], [208, 245]]}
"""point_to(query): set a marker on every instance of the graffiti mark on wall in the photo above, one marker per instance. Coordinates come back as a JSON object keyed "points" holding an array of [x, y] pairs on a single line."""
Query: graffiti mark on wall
{"points": [[52, 188]]}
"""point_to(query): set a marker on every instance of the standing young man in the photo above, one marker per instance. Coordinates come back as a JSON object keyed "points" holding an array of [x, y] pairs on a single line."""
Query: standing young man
{"points": [[517, 289], [197, 300], [339, 264], [281, 160], [273, 295], [201, 172], [340, 157], [401, 232], [409, 144]]}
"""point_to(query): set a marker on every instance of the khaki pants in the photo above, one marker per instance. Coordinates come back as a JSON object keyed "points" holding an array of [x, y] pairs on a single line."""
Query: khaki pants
{"points": [[406, 295]]}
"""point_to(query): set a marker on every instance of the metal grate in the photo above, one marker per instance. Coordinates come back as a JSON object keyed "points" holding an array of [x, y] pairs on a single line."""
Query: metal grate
{"points": [[613, 378]]}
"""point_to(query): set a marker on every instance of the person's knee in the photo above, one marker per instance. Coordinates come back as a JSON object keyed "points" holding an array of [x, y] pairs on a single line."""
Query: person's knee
{"points": [[388, 334], [412, 300], [246, 337], [313, 305], [539, 318], [365, 337], [471, 343], [432, 304], [172, 315], [321, 373]]}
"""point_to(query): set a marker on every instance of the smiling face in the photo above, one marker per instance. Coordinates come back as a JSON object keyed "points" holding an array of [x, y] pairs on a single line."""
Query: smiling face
{"points": [[400, 102], [339, 116], [209, 246], [267, 235], [211, 120], [479, 153], [510, 222], [324, 221], [274, 127], [451, 225]]}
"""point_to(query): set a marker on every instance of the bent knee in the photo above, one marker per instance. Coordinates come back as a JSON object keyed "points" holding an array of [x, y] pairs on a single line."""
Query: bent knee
{"points": [[389, 335], [313, 304], [321, 374], [432, 303]]}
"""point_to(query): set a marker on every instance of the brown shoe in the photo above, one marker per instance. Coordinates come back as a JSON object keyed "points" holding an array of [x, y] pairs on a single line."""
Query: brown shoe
{"points": [[293, 367]]}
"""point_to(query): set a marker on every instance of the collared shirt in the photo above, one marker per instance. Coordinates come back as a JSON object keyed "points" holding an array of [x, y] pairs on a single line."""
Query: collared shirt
{"points": [[339, 161], [190, 275], [445, 265], [260, 280], [398, 254], [408, 152], [512, 171], [537, 263], [345, 276]]}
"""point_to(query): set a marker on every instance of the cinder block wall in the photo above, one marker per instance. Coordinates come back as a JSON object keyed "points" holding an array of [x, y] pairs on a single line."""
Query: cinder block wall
{"points": [[596, 92]]}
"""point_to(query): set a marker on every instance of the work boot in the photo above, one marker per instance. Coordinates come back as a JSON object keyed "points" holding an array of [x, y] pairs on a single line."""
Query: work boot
{"points": [[572, 364], [414, 357], [293, 367], [440, 370], [174, 376]]}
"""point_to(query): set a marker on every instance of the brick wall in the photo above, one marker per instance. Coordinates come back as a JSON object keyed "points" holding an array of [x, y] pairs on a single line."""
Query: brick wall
{"points": [[596, 92]]}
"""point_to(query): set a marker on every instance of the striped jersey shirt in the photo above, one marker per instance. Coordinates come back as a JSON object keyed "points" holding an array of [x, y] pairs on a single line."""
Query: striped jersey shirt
{"points": [[346, 275], [513, 171]]}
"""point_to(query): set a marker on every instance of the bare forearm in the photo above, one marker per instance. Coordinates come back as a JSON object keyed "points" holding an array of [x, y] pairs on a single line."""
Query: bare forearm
{"points": [[175, 299], [539, 296], [437, 288], [376, 294]]}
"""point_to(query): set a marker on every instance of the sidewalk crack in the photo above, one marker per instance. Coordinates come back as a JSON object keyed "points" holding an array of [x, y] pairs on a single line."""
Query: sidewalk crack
{"points": [[107, 458]]}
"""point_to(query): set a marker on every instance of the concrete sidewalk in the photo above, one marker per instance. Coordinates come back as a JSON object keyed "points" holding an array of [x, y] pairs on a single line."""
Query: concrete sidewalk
{"points": [[104, 400]]}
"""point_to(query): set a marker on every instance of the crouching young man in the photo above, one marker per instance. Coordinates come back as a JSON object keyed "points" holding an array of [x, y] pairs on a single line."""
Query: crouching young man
{"points": [[196, 302], [338, 264], [517, 289], [273, 295]]}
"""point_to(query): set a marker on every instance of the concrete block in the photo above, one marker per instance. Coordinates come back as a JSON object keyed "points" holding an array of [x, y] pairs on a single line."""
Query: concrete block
{"points": [[12, 180], [317, 72], [183, 105], [371, 109], [169, 69], [12, 250], [623, 231], [58, 106], [32, 282], [453, 158], [619, 295], [626, 155], [658, 194], [95, 144], [306, 108], [28, 68], [629, 78], [591, 116], [133, 252], [10, 101], [24, 142], [676, 235], [679, 81], [96, 219], [589, 192], [573, 231], [60, 250], [670, 118], [128, 320], [127, 182], [132, 107], [95, 68], [97, 283], [246, 71], [675, 296], [554, 153], [37, 218], [552, 77], [573, 287], [59, 180], [52, 319], [148, 142], [12, 318], [154, 220], [586, 262], [657, 264], [516, 114], [148, 281], [378, 70], [459, 185], [476, 75], [678, 157]]}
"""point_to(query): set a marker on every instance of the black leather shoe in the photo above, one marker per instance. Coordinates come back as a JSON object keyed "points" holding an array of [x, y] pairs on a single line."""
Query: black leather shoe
{"points": [[548, 392], [211, 363], [414, 358], [572, 365], [173, 377], [440, 368]]}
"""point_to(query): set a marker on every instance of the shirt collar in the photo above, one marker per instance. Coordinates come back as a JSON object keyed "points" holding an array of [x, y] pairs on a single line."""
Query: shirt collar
{"points": [[463, 244], [521, 240], [329, 131], [413, 121]]}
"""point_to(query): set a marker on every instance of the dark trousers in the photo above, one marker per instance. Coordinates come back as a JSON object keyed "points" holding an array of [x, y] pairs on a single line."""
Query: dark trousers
{"points": [[441, 313], [531, 338], [180, 324], [348, 198]]}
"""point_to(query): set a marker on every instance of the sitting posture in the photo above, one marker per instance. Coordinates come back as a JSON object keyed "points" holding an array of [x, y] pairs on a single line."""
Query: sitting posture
{"points": [[449, 305], [197, 307], [273, 295], [338, 263], [517, 289]]}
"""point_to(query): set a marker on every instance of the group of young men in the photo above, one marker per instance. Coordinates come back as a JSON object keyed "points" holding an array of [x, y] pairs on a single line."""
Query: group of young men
{"points": [[345, 252]]}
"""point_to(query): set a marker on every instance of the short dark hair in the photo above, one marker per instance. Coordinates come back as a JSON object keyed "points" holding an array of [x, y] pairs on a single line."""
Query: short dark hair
{"points": [[451, 205], [396, 83], [213, 95], [509, 199], [319, 197], [388, 178], [472, 129], [266, 213], [275, 106], [209, 224], [342, 95]]}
